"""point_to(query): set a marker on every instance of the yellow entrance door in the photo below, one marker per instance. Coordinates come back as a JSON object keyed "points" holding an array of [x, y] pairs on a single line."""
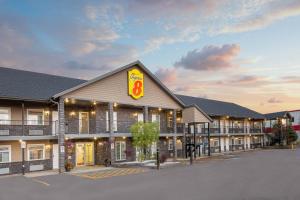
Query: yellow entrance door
{"points": [[80, 154], [89, 154]]}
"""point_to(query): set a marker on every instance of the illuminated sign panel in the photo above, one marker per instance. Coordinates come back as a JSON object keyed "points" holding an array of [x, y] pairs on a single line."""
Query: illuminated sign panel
{"points": [[135, 83]]}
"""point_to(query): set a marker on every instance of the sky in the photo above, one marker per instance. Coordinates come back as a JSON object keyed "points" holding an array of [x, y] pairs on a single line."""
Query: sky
{"points": [[241, 51]]}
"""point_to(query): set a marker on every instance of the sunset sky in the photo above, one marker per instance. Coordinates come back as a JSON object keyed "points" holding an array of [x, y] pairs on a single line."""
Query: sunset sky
{"points": [[242, 51]]}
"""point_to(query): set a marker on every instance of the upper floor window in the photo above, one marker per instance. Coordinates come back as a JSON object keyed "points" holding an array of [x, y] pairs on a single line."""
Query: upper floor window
{"points": [[238, 124], [140, 117], [215, 124], [170, 121], [115, 121], [156, 118], [5, 153], [35, 117], [5, 116]]}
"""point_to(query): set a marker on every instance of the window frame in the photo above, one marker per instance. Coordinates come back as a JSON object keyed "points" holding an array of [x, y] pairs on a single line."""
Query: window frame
{"points": [[115, 121], [9, 151], [9, 115], [121, 152], [35, 109], [32, 145]]}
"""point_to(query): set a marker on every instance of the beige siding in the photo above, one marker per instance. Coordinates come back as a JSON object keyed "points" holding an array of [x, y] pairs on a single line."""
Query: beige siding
{"points": [[192, 114], [115, 89]]}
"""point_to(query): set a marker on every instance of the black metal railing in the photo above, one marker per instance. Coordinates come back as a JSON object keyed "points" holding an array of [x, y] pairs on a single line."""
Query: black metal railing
{"points": [[28, 128]]}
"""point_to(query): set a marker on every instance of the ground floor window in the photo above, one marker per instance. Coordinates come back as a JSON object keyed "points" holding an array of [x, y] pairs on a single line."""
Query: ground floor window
{"points": [[120, 150], [36, 152], [5, 153]]}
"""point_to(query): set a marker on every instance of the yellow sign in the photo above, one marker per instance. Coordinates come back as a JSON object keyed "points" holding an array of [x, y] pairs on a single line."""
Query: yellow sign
{"points": [[135, 83]]}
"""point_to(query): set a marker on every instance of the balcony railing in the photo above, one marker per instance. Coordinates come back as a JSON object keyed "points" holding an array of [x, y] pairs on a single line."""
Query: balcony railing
{"points": [[31, 128], [93, 126]]}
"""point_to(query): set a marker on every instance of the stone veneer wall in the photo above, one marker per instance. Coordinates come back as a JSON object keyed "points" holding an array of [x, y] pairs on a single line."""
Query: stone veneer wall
{"points": [[16, 167]]}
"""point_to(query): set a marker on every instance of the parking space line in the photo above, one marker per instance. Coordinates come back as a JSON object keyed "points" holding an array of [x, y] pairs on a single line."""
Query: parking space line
{"points": [[41, 182]]}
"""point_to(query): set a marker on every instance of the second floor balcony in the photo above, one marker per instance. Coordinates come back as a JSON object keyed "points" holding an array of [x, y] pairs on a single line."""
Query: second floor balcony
{"points": [[93, 126], [28, 128]]}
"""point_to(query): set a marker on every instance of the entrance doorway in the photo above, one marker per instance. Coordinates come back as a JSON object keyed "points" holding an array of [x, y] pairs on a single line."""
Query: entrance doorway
{"points": [[84, 154], [83, 122]]}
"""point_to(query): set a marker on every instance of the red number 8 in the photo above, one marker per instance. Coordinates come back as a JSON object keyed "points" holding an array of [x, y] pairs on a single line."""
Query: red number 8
{"points": [[137, 88]]}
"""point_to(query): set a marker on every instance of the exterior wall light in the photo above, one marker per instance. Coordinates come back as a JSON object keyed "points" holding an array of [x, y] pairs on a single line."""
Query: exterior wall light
{"points": [[93, 112], [47, 112], [95, 138], [72, 113], [159, 109], [115, 104], [124, 137], [67, 100], [171, 112], [94, 103]]}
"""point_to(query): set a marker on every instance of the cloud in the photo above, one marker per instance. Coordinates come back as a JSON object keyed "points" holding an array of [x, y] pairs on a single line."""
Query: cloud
{"points": [[273, 100], [209, 58], [268, 13], [167, 75], [291, 79]]}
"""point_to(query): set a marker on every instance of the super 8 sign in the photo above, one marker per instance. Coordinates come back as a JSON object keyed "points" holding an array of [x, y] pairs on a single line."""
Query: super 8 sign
{"points": [[135, 83]]}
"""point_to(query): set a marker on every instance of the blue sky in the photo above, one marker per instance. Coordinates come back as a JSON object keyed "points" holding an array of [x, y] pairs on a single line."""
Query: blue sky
{"points": [[243, 51]]}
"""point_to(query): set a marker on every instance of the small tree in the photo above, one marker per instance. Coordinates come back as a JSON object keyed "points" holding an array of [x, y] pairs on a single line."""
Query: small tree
{"points": [[144, 135], [291, 135]]}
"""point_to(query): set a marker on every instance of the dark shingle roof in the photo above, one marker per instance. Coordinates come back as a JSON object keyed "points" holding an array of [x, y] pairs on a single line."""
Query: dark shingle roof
{"points": [[275, 115], [25, 85], [220, 108]]}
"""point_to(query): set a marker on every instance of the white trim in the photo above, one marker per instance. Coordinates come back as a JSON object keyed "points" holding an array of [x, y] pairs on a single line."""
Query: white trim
{"points": [[32, 145], [35, 109], [9, 150], [80, 122], [93, 154], [9, 114], [120, 142]]}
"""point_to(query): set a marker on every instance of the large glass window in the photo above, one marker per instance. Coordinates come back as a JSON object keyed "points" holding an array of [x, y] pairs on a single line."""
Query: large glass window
{"points": [[5, 116], [156, 118], [35, 117], [36, 152], [115, 121], [5, 153], [120, 150]]}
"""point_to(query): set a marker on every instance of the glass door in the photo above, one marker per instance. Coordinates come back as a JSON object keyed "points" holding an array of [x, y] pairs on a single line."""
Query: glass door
{"points": [[83, 122], [89, 154], [80, 154]]}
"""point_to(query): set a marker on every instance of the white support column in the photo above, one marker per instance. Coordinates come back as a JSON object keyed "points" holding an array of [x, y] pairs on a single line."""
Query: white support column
{"points": [[61, 136]]}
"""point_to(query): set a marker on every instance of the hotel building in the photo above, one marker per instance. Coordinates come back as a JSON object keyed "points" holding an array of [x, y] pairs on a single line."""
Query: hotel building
{"points": [[46, 120]]}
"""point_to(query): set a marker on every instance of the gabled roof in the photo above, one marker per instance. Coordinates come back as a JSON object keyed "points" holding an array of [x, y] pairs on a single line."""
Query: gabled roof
{"points": [[201, 111], [220, 108], [33, 86], [275, 115], [136, 63]]}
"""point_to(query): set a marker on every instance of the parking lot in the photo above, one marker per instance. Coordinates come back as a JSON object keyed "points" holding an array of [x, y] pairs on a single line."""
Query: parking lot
{"points": [[266, 174]]}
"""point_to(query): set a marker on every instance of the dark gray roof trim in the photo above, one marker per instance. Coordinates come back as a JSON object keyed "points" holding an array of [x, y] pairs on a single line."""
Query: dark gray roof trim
{"points": [[220, 108], [32, 86], [136, 63], [275, 115]]}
